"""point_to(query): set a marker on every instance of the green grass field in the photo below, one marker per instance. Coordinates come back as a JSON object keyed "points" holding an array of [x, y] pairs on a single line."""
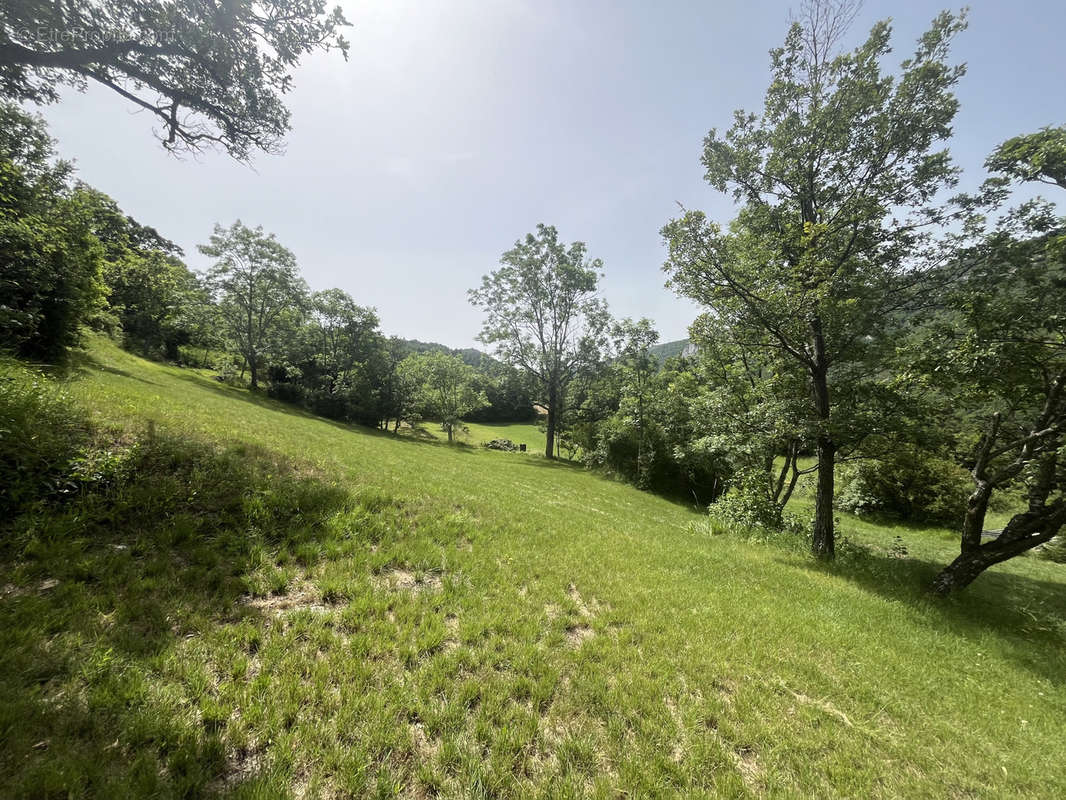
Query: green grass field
{"points": [[288, 607], [478, 433]]}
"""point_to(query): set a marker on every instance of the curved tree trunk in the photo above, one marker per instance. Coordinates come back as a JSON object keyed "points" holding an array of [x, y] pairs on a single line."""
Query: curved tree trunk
{"points": [[1024, 532]]}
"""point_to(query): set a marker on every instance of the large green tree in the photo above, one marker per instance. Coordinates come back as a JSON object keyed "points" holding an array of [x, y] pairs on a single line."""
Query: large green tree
{"points": [[258, 288], [836, 181], [543, 314], [209, 72], [449, 388]]}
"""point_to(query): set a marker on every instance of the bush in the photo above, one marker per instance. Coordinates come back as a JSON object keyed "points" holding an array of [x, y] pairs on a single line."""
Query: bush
{"points": [[287, 393], [502, 444], [657, 466], [43, 437], [748, 508], [910, 485]]}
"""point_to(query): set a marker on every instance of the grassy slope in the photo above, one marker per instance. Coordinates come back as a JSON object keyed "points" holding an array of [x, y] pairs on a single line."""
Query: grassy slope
{"points": [[476, 623]]}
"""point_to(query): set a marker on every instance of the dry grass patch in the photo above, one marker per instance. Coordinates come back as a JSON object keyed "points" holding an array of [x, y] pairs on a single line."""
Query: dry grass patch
{"points": [[405, 580], [303, 596]]}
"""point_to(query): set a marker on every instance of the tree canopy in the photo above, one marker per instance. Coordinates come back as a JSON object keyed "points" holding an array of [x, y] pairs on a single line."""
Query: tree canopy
{"points": [[209, 73]]}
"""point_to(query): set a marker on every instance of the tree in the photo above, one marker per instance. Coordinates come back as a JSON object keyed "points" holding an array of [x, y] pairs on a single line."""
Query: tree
{"points": [[836, 180], [543, 314], [637, 366], [397, 387], [448, 387], [148, 286], [343, 333], [50, 261], [1001, 350], [256, 283], [752, 408], [211, 73]]}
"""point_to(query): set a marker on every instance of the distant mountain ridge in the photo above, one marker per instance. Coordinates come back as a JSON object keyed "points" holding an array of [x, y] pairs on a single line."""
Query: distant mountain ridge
{"points": [[470, 355], [478, 358], [665, 350]]}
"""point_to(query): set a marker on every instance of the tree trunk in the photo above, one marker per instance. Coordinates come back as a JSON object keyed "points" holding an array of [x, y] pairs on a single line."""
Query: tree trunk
{"points": [[974, 521], [449, 434], [822, 540], [961, 572], [253, 371], [1038, 524], [1024, 532], [553, 402]]}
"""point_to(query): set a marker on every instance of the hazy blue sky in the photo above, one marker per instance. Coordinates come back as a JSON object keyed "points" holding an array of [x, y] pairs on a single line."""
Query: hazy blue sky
{"points": [[457, 126]]}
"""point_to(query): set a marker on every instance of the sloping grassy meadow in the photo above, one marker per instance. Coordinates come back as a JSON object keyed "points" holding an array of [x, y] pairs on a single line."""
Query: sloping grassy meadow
{"points": [[275, 605]]}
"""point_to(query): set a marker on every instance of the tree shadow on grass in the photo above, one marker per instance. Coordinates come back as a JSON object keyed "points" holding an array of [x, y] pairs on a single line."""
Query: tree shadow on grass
{"points": [[424, 438], [100, 591], [1027, 614], [79, 362]]}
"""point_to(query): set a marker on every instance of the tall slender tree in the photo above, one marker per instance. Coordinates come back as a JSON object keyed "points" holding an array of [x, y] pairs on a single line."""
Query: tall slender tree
{"points": [[836, 181], [543, 314]]}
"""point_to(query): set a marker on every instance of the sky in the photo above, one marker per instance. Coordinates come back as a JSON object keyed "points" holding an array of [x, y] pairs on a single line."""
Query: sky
{"points": [[455, 127]]}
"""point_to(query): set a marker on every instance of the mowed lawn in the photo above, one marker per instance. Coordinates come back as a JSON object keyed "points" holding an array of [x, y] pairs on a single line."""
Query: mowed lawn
{"points": [[381, 616]]}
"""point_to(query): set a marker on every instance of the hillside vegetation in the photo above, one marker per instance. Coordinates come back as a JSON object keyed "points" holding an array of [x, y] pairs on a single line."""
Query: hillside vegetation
{"points": [[268, 604]]}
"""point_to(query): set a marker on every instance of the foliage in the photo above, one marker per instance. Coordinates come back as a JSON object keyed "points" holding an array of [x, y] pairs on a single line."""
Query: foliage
{"points": [[42, 435], [999, 352], [51, 262], [907, 483], [155, 299], [209, 75], [1039, 156], [258, 290], [748, 506]]}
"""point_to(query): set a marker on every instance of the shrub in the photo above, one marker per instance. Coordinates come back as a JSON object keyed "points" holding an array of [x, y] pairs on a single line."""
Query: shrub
{"points": [[501, 444], [910, 484], [43, 437], [657, 466], [287, 393]]}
